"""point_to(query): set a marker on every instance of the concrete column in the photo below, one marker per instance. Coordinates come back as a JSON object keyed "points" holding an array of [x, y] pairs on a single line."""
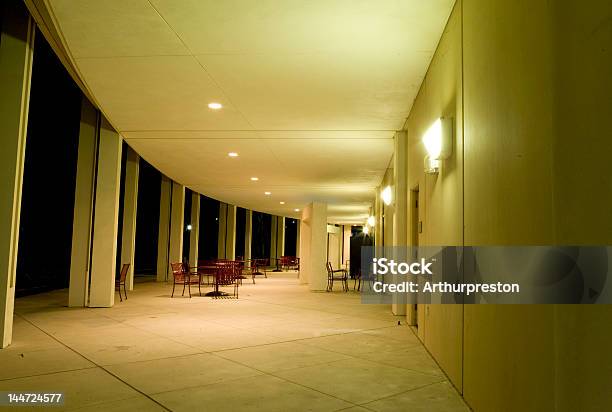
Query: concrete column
{"points": [[164, 229], [280, 238], [248, 234], [177, 225], [230, 233], [16, 52], [222, 237], [130, 201], [400, 211], [313, 246], [78, 292], [106, 216], [273, 239], [194, 236]]}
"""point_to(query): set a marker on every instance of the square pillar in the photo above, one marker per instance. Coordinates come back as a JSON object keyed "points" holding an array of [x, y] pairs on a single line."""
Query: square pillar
{"points": [[313, 246], [130, 202], [104, 243], [16, 52], [194, 235], [221, 239], [230, 233], [163, 239], [177, 220], [400, 215], [78, 292], [248, 234]]}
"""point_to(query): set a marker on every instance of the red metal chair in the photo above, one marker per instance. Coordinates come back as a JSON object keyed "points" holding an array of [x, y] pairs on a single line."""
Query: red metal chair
{"points": [[285, 262], [249, 268], [239, 265], [257, 265], [121, 281], [182, 274], [292, 263], [228, 274], [336, 274]]}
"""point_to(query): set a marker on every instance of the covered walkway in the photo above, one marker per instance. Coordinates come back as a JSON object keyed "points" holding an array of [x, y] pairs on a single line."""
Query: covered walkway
{"points": [[278, 342]]}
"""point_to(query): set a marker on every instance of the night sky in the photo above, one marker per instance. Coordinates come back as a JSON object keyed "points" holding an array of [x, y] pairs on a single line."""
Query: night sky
{"points": [[45, 233]]}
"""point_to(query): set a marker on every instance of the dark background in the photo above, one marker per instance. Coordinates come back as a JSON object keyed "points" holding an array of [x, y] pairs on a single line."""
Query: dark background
{"points": [[260, 242], [47, 206], [290, 236], [45, 230], [240, 232], [147, 219], [209, 228]]}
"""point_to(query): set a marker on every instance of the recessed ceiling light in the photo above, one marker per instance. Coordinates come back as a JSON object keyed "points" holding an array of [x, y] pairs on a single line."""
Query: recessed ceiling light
{"points": [[215, 106], [282, 203], [254, 178], [267, 193], [232, 154], [296, 210]]}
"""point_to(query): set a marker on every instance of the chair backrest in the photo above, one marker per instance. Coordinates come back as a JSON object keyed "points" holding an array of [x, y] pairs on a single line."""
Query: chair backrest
{"points": [[124, 271], [226, 273], [260, 262], [177, 268]]}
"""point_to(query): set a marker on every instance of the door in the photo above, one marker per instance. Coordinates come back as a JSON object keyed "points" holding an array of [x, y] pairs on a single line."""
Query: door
{"points": [[415, 228]]}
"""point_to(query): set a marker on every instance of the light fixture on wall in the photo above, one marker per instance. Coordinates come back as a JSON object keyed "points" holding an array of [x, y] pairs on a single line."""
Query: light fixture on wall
{"points": [[431, 166], [189, 227], [438, 142], [371, 221], [387, 195]]}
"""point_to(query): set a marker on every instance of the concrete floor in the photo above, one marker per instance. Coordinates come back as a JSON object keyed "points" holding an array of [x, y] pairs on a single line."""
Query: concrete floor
{"points": [[277, 348]]}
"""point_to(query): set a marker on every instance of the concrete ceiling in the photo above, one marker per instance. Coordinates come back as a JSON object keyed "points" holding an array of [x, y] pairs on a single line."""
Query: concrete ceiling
{"points": [[312, 90]]}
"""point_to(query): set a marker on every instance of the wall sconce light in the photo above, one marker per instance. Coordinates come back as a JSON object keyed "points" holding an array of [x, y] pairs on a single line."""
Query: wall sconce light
{"points": [[189, 227], [387, 195], [432, 166], [438, 142], [371, 221]]}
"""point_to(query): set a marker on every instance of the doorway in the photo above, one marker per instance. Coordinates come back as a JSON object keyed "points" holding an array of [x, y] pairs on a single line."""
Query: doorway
{"points": [[412, 311]]}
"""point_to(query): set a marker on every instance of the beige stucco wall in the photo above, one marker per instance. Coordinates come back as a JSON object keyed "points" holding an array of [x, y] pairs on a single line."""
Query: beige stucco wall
{"points": [[582, 192], [530, 80], [441, 202], [508, 356]]}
